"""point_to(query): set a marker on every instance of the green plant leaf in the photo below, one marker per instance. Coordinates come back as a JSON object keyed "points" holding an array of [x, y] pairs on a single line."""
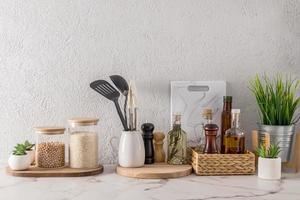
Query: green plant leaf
{"points": [[19, 149], [29, 146], [276, 99], [272, 152]]}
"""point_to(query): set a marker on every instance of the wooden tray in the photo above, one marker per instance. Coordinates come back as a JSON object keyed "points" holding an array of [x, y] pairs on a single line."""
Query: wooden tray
{"points": [[61, 172], [156, 171]]}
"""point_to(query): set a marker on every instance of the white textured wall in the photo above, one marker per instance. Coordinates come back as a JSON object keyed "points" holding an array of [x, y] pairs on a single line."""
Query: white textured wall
{"points": [[51, 50]]}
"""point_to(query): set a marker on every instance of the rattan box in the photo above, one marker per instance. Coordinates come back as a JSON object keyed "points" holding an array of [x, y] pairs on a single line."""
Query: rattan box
{"points": [[223, 164]]}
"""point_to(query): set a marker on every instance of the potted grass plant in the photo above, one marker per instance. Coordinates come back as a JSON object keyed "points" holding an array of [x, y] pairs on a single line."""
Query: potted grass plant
{"points": [[269, 164], [278, 103], [19, 159]]}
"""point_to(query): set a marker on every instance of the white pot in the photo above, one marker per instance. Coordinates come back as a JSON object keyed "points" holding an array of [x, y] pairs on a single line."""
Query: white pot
{"points": [[19, 162], [31, 155], [131, 149], [269, 168]]}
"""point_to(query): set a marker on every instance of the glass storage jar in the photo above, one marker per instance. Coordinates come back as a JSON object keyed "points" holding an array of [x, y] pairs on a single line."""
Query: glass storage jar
{"points": [[50, 147], [83, 151]]}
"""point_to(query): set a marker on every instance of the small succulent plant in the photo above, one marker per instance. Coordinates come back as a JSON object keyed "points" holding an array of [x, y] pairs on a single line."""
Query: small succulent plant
{"points": [[29, 146], [271, 152], [19, 150]]}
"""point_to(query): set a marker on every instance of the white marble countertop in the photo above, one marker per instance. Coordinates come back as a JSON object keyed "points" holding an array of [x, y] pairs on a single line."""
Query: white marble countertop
{"points": [[111, 186]]}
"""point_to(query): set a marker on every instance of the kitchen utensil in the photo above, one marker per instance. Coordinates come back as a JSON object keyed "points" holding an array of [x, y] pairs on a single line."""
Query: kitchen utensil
{"points": [[147, 129], [108, 91], [189, 98], [132, 106], [123, 87], [120, 83], [131, 149]]}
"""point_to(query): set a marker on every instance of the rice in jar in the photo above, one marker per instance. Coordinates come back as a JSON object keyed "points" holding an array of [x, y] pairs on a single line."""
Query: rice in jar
{"points": [[83, 143]]}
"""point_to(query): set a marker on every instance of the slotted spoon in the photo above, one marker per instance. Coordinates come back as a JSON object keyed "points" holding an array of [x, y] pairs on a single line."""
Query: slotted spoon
{"points": [[123, 87]]}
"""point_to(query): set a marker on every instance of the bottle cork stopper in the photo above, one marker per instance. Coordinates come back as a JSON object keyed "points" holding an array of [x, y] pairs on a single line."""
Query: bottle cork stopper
{"points": [[207, 113]]}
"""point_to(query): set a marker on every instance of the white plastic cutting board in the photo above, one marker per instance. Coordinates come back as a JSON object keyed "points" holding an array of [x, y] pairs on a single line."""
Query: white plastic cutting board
{"points": [[189, 98]]}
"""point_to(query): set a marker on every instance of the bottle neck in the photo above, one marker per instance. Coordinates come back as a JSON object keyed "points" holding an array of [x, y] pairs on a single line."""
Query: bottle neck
{"points": [[227, 106], [177, 123], [209, 121], [176, 126], [235, 120]]}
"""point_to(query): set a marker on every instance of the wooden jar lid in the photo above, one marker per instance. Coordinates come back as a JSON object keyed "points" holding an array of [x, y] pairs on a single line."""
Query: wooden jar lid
{"points": [[83, 121], [50, 130]]}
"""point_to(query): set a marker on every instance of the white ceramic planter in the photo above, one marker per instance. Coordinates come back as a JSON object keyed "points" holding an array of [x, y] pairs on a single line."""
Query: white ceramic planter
{"points": [[131, 149], [19, 162], [269, 168], [31, 155]]}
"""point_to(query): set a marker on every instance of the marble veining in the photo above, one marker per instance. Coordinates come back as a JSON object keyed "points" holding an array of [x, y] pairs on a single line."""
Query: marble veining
{"points": [[111, 186]]}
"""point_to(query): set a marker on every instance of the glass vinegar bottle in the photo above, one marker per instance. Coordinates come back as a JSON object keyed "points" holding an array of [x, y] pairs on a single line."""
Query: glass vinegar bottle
{"points": [[211, 132], [177, 143], [235, 136]]}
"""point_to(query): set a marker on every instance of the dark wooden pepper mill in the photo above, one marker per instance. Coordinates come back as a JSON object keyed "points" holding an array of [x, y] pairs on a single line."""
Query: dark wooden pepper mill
{"points": [[147, 129]]}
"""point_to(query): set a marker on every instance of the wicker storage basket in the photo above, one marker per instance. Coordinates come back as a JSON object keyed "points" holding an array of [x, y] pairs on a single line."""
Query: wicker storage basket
{"points": [[223, 164]]}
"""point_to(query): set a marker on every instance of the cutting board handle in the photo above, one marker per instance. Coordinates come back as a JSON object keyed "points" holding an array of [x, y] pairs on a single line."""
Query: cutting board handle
{"points": [[198, 88]]}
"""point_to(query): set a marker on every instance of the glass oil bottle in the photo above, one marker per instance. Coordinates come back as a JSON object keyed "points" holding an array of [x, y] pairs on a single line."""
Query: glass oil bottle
{"points": [[225, 120], [177, 143], [235, 136]]}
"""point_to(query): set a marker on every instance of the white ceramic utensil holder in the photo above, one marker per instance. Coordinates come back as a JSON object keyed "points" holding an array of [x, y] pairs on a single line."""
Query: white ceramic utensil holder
{"points": [[131, 149], [269, 168]]}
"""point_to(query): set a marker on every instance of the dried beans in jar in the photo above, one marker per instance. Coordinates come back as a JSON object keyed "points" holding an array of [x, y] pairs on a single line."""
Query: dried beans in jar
{"points": [[50, 147]]}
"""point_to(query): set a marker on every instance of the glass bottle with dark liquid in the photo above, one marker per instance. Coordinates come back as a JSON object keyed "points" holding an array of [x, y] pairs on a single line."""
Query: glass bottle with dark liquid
{"points": [[235, 136], [211, 131], [226, 120]]}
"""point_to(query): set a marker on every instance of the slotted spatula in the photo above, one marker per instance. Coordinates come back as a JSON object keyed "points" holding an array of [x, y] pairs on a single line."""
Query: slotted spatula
{"points": [[109, 92]]}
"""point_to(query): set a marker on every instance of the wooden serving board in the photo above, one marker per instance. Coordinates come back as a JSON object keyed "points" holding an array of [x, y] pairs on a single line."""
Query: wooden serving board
{"points": [[60, 172], [156, 171]]}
